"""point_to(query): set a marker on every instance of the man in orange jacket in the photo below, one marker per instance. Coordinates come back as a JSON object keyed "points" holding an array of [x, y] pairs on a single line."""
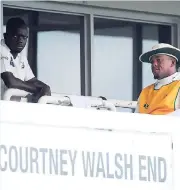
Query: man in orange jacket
{"points": [[162, 97]]}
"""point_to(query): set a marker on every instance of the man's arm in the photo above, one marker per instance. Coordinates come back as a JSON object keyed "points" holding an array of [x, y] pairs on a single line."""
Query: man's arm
{"points": [[29, 84], [45, 89], [34, 86], [39, 84], [32, 80], [9, 79], [12, 82], [177, 106]]}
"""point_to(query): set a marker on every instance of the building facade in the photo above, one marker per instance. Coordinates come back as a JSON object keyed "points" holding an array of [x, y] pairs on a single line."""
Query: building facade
{"points": [[92, 48]]}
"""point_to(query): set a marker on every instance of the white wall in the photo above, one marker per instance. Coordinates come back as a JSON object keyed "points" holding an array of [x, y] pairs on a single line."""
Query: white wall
{"points": [[163, 7]]}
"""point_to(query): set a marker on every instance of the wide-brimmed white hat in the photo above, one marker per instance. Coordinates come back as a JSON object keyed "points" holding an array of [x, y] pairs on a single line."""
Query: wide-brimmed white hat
{"points": [[161, 49]]}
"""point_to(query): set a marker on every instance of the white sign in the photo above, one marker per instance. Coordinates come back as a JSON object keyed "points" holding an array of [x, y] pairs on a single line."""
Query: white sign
{"points": [[45, 157]]}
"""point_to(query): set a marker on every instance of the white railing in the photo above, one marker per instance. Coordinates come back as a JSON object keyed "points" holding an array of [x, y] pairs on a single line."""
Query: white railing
{"points": [[66, 100], [14, 93], [63, 100]]}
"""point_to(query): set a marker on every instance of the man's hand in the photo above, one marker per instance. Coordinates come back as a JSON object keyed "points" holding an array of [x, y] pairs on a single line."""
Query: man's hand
{"points": [[45, 91], [44, 87]]}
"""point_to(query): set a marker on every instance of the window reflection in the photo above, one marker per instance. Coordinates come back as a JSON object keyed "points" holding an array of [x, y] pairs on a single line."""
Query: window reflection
{"points": [[113, 60], [57, 49], [58, 52], [150, 38]]}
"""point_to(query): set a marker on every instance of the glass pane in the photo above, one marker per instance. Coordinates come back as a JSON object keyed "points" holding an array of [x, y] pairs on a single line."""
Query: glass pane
{"points": [[58, 52], [150, 38], [113, 60]]}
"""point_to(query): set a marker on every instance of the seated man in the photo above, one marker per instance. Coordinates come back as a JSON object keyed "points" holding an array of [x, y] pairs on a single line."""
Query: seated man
{"points": [[162, 97], [15, 70]]}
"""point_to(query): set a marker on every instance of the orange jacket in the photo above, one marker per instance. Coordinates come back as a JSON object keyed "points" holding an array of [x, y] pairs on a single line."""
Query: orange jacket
{"points": [[160, 101]]}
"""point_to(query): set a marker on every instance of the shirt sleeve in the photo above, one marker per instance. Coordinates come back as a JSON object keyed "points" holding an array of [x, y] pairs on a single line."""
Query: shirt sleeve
{"points": [[6, 64], [28, 71]]}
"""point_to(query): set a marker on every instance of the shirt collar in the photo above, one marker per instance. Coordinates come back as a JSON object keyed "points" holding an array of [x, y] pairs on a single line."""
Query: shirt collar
{"points": [[167, 80], [4, 45]]}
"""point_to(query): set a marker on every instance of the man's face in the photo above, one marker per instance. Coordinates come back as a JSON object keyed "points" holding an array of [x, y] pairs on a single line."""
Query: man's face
{"points": [[161, 66], [17, 40]]}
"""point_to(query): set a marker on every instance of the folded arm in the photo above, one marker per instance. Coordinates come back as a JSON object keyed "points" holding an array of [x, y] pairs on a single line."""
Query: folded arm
{"points": [[30, 83], [12, 82], [39, 84]]}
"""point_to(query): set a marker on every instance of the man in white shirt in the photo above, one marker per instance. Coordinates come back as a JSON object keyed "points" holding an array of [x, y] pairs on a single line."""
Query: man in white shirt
{"points": [[15, 70], [162, 97]]}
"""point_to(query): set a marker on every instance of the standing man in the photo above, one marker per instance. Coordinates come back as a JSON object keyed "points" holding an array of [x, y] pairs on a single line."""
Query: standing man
{"points": [[162, 97], [15, 70]]}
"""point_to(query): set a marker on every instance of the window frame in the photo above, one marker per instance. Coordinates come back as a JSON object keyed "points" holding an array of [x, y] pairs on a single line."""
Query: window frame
{"points": [[87, 32]]}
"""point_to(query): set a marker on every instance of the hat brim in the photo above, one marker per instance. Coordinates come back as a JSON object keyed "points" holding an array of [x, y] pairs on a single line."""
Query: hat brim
{"points": [[165, 51]]}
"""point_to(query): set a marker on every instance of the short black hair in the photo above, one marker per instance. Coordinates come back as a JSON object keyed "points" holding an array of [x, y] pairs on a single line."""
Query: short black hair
{"points": [[14, 23]]}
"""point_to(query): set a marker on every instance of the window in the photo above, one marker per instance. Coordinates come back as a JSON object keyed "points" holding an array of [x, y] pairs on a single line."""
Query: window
{"points": [[150, 38], [53, 50], [152, 35], [113, 59], [60, 45], [58, 52]]}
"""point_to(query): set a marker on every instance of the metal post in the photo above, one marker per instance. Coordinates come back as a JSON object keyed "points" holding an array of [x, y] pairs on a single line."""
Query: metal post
{"points": [[137, 65], [86, 38], [32, 48]]}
